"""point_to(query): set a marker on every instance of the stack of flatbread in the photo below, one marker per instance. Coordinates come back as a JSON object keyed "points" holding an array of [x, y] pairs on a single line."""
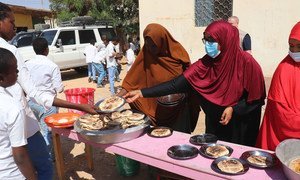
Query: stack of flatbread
{"points": [[93, 122], [111, 104], [216, 151], [127, 118], [295, 165], [231, 166]]}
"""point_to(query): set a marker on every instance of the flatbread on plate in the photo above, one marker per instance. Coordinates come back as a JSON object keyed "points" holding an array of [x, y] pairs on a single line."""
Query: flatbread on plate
{"points": [[217, 151], [258, 160], [160, 132], [231, 166], [295, 165], [111, 103], [136, 116]]}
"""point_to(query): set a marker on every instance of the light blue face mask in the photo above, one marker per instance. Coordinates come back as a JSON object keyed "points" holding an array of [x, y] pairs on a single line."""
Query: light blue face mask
{"points": [[211, 49]]}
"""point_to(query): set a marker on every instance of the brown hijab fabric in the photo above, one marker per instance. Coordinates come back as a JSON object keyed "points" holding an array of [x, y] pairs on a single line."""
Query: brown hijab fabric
{"points": [[148, 70]]}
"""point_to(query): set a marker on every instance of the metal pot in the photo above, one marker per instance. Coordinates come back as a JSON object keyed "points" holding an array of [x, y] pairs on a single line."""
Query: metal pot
{"points": [[171, 99], [286, 151]]}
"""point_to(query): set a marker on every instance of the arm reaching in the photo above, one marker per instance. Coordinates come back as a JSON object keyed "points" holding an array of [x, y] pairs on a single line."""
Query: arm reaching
{"points": [[133, 95]]}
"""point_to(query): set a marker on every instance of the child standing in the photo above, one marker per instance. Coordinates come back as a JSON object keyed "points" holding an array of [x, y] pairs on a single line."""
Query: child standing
{"points": [[47, 77], [98, 64], [90, 52], [129, 55], [14, 159]]}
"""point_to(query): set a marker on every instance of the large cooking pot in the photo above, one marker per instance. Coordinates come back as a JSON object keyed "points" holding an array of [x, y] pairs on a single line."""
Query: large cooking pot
{"points": [[286, 151], [113, 135]]}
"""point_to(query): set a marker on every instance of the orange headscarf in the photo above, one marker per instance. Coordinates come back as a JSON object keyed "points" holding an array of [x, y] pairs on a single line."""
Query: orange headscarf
{"points": [[282, 116], [148, 70]]}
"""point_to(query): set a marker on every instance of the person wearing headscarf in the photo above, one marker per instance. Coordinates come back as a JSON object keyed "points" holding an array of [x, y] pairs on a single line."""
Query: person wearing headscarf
{"points": [[161, 59], [229, 83], [282, 116]]}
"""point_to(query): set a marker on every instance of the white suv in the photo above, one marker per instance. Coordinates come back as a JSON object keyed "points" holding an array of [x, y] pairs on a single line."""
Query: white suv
{"points": [[66, 44]]}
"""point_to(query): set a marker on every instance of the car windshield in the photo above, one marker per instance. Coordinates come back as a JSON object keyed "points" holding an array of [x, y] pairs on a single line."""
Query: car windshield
{"points": [[49, 36]]}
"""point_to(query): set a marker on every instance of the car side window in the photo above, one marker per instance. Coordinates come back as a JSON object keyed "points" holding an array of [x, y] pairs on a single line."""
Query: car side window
{"points": [[85, 36], [108, 32], [67, 37], [25, 40]]}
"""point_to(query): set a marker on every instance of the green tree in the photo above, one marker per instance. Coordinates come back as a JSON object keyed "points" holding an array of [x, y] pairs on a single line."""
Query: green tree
{"points": [[123, 13]]}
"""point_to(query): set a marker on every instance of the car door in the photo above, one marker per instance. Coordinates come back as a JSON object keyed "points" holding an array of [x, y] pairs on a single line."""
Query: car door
{"points": [[66, 55]]}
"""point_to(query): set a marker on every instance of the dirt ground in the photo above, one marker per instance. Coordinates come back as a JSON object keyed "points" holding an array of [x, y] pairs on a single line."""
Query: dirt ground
{"points": [[104, 163]]}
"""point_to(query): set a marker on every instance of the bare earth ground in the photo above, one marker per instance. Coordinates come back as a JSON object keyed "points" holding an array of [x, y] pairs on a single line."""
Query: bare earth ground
{"points": [[104, 163]]}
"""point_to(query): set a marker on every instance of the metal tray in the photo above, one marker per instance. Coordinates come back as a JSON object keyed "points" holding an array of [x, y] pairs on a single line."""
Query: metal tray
{"points": [[182, 152], [159, 127], [202, 139], [270, 162], [113, 135], [114, 110], [215, 167], [204, 147]]}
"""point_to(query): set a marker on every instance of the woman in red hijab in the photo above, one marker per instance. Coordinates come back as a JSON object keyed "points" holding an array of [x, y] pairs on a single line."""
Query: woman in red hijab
{"points": [[282, 116], [228, 81]]}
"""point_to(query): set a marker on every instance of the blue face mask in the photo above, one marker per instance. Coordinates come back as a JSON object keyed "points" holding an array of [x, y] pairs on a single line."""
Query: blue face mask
{"points": [[211, 49]]}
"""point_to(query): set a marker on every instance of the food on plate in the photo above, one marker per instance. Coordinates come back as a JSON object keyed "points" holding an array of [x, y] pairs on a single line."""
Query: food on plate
{"points": [[126, 113], [160, 132], [116, 115], [295, 165], [104, 122], [217, 151], [136, 116], [61, 119], [230, 166], [111, 103], [258, 160]]}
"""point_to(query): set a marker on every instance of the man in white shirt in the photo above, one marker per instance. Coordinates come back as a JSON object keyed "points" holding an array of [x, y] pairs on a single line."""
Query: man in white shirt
{"points": [[36, 145], [90, 52], [14, 159], [47, 77], [111, 63], [129, 55]]}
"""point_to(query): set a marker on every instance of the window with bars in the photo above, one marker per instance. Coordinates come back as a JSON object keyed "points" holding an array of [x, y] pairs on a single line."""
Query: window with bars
{"points": [[207, 11]]}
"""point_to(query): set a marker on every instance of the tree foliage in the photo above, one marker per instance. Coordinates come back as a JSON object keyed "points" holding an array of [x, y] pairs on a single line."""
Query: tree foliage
{"points": [[123, 13]]}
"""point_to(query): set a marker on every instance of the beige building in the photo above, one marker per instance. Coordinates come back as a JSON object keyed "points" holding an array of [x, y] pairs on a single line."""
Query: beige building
{"points": [[267, 21], [26, 18]]}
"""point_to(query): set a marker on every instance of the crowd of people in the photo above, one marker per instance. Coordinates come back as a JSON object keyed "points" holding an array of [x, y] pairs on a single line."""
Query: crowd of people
{"points": [[227, 83], [104, 60]]}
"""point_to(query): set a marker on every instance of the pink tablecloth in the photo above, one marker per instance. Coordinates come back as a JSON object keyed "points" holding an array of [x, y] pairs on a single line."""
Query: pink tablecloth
{"points": [[153, 151]]}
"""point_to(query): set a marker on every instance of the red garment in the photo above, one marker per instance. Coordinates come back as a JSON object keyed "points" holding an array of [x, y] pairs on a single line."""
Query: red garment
{"points": [[222, 80], [282, 116]]}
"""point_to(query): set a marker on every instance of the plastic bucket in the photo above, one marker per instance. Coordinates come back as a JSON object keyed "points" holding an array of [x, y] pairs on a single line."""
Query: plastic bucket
{"points": [[126, 166], [80, 96]]}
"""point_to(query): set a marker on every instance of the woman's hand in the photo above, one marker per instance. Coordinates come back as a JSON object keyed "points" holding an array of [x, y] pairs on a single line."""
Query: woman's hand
{"points": [[226, 116], [133, 95]]}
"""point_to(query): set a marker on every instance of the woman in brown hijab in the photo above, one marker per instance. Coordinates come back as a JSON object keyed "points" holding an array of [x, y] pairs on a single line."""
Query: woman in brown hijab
{"points": [[161, 59]]}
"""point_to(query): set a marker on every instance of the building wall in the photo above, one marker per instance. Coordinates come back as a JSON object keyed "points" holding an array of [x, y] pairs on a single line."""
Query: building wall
{"points": [[268, 22], [23, 20]]}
